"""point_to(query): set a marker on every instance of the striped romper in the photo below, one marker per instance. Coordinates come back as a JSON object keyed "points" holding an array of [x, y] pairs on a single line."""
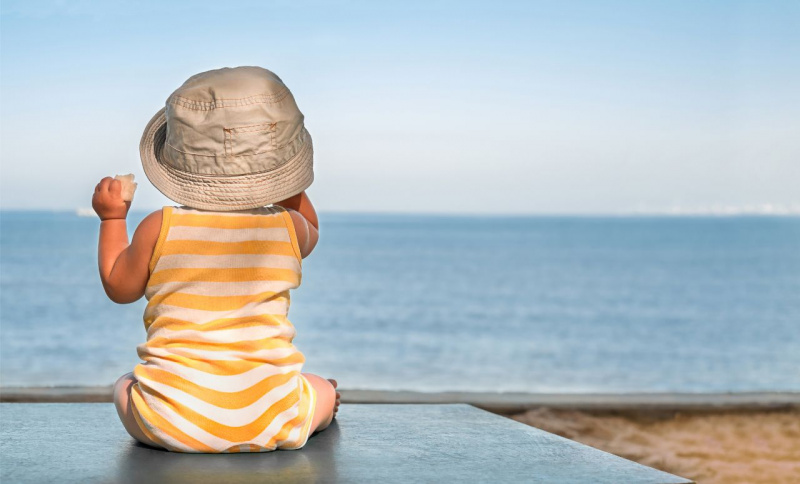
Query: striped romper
{"points": [[220, 372]]}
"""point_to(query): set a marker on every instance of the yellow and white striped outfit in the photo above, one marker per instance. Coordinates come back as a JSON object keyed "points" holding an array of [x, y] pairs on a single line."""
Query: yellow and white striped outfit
{"points": [[220, 372]]}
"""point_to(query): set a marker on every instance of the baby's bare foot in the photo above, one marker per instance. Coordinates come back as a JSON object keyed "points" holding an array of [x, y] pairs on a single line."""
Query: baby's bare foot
{"points": [[338, 396]]}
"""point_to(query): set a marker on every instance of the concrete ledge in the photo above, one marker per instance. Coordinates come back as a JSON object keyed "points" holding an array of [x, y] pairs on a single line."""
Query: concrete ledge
{"points": [[494, 402], [97, 394], [508, 403], [367, 443]]}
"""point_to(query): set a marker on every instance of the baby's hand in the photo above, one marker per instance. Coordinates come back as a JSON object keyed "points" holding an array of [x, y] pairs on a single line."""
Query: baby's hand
{"points": [[107, 200]]}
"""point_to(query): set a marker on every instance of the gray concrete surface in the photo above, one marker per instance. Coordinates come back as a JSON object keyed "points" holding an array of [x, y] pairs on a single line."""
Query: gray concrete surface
{"points": [[84, 442]]}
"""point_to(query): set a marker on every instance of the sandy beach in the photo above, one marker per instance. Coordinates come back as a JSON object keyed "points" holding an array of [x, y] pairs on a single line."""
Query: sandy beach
{"points": [[716, 446]]}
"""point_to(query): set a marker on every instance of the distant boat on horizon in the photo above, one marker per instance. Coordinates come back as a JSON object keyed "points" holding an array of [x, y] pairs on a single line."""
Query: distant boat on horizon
{"points": [[85, 212]]}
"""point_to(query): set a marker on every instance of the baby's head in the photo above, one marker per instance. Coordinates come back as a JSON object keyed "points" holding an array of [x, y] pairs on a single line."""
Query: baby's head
{"points": [[229, 139]]}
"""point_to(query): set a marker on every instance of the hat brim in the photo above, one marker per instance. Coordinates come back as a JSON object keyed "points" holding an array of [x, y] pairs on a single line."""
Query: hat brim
{"points": [[218, 192]]}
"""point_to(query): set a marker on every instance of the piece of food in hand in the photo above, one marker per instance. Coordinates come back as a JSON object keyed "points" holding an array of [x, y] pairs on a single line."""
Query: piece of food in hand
{"points": [[128, 186]]}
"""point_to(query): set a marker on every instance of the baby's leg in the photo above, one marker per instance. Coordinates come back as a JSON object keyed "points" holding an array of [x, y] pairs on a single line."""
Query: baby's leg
{"points": [[122, 400], [327, 401]]}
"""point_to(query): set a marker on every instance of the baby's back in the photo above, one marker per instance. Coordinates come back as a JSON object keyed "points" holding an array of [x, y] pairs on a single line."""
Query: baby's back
{"points": [[221, 372]]}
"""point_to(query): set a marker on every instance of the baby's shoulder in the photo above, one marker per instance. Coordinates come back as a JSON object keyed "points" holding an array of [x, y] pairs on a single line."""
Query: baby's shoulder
{"points": [[149, 228], [151, 222]]}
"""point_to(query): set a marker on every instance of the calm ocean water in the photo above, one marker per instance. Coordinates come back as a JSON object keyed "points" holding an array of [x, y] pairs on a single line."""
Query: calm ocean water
{"points": [[540, 304]]}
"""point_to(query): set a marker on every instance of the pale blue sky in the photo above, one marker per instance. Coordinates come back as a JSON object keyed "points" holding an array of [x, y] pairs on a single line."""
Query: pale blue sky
{"points": [[521, 107]]}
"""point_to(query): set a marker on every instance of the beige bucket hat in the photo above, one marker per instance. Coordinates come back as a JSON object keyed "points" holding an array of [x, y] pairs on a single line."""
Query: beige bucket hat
{"points": [[229, 139]]}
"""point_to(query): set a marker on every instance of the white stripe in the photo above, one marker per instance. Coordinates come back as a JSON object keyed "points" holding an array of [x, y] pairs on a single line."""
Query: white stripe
{"points": [[237, 213], [265, 356], [226, 261], [213, 234], [275, 426], [230, 417], [251, 333], [293, 437], [165, 438], [224, 383], [187, 427], [200, 316], [290, 442], [208, 288]]}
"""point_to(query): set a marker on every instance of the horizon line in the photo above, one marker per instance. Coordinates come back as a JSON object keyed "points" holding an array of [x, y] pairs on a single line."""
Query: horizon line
{"points": [[793, 211]]}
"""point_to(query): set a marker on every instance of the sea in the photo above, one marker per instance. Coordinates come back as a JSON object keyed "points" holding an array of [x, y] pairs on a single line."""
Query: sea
{"points": [[459, 303]]}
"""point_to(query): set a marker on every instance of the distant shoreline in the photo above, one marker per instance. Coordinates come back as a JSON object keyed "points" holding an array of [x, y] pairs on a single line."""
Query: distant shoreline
{"points": [[495, 402], [724, 213]]}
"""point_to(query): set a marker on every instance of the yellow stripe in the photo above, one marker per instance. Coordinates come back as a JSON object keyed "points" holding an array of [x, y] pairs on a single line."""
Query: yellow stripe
{"points": [[243, 346], [305, 411], [287, 219], [200, 247], [290, 425], [166, 214], [165, 426], [238, 274], [144, 428], [151, 317], [214, 367], [208, 303], [227, 222], [224, 367], [233, 434], [228, 400], [174, 324], [310, 411]]}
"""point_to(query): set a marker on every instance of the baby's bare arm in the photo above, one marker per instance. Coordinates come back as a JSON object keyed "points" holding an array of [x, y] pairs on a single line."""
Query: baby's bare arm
{"points": [[306, 224], [123, 267]]}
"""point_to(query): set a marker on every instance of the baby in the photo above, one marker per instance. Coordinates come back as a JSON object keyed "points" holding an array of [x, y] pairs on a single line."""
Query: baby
{"points": [[220, 372]]}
